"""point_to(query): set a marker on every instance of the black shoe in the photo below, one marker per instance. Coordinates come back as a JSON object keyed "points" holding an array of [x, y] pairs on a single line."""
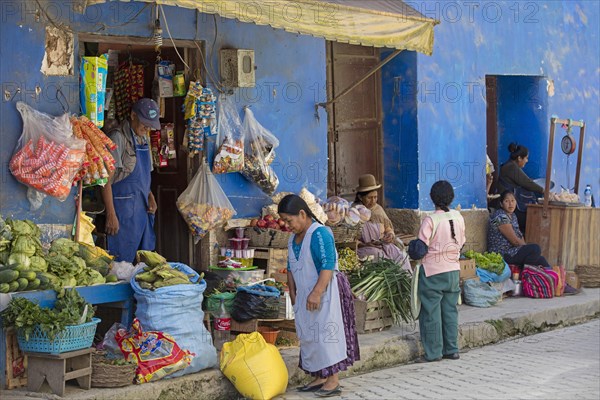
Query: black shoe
{"points": [[421, 360], [329, 393], [454, 356], [570, 290], [307, 388]]}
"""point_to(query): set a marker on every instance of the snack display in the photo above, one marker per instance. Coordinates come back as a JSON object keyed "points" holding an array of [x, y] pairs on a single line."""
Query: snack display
{"points": [[230, 156], [129, 88], [97, 160], [200, 115], [92, 89], [202, 218]]}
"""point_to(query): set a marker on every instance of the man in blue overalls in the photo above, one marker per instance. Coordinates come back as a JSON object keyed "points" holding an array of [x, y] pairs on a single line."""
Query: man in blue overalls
{"points": [[130, 205]]}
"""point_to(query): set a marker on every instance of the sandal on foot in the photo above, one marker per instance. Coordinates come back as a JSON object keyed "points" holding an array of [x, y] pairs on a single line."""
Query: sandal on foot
{"points": [[309, 388], [329, 393]]}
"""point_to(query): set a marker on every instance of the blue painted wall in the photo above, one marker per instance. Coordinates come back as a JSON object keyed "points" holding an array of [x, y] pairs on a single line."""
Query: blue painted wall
{"points": [[555, 39], [400, 134], [290, 79], [523, 118]]}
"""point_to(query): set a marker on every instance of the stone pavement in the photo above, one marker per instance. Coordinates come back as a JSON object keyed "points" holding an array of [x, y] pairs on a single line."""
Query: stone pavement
{"points": [[511, 318], [559, 364]]}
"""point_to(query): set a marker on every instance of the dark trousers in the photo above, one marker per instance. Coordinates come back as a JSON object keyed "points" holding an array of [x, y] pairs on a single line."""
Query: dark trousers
{"points": [[528, 254], [522, 220], [438, 319]]}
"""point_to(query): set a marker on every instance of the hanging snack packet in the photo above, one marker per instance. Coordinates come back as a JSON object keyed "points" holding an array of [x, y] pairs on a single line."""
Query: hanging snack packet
{"points": [[259, 150], [230, 155], [203, 204]]}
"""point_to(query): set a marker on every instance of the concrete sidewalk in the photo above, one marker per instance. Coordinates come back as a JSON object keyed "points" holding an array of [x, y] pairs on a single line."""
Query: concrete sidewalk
{"points": [[511, 317]]}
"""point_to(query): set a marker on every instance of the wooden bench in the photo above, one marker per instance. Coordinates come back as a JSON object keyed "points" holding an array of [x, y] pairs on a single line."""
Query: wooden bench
{"points": [[59, 368]]}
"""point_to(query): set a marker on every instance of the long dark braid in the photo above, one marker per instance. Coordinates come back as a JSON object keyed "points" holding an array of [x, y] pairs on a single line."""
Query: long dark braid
{"points": [[442, 195]]}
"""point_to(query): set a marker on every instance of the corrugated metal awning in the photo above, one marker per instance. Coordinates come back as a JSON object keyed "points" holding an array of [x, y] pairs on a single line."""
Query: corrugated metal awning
{"points": [[378, 23]]}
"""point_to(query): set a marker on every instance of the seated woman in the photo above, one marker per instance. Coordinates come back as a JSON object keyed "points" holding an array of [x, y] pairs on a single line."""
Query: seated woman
{"points": [[377, 237], [514, 179], [505, 237]]}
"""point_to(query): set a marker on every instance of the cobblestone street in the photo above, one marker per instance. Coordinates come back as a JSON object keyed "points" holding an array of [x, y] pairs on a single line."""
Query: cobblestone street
{"points": [[560, 364]]}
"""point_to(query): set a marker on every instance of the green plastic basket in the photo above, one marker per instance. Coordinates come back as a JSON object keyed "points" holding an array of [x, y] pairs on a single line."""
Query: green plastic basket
{"points": [[73, 337]]}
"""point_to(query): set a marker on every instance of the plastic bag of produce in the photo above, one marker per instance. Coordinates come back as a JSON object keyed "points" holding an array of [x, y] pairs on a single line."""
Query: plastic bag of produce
{"points": [[254, 366], [255, 302], [47, 156], [156, 353], [230, 155], [204, 205], [177, 310], [259, 148], [479, 294], [487, 276]]}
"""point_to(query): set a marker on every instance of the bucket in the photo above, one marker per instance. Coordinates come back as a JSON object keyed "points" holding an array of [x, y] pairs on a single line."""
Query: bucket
{"points": [[518, 289], [270, 334]]}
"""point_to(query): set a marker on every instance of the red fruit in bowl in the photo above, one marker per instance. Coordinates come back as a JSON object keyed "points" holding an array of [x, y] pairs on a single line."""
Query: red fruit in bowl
{"points": [[253, 222], [281, 223], [269, 218], [261, 223], [273, 225]]}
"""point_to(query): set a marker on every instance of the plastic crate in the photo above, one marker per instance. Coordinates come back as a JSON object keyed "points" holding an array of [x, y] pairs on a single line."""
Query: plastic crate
{"points": [[73, 337]]}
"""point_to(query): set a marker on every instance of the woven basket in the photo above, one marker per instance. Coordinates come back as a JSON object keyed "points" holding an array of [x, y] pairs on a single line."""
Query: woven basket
{"points": [[108, 375], [589, 275], [345, 233], [73, 337], [268, 238]]}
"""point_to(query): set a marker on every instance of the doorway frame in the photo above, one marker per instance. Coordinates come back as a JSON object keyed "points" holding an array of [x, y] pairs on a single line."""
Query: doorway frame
{"points": [[197, 70]]}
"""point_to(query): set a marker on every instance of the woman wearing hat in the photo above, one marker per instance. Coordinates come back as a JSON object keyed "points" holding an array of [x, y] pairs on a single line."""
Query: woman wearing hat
{"points": [[377, 237]]}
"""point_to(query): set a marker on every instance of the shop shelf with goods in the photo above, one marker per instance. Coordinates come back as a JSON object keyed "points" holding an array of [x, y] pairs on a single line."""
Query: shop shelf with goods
{"points": [[270, 259]]}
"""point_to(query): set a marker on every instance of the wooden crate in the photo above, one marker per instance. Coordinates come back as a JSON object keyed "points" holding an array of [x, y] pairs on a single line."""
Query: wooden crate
{"points": [[270, 259], [568, 236], [372, 316], [16, 362]]}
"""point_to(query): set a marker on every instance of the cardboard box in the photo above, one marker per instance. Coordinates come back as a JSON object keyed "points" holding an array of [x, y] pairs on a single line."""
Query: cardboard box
{"points": [[468, 268], [573, 280]]}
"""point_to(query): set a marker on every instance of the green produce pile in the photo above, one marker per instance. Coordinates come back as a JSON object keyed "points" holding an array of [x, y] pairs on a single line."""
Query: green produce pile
{"points": [[158, 273], [386, 281], [25, 266], [492, 262], [25, 315], [348, 260]]}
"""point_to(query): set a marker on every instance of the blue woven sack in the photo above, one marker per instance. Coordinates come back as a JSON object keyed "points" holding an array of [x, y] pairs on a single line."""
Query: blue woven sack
{"points": [[177, 310], [479, 294]]}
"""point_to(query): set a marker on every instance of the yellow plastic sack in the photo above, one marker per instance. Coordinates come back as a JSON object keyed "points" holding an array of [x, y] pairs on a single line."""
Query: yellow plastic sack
{"points": [[255, 367]]}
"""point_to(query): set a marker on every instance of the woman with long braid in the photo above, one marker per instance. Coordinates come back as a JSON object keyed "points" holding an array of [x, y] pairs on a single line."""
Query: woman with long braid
{"points": [[444, 233]]}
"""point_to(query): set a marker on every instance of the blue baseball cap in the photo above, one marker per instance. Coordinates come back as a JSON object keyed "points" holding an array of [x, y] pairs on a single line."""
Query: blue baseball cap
{"points": [[148, 113]]}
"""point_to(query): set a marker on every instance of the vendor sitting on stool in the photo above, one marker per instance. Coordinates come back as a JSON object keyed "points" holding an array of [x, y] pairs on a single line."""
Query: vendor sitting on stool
{"points": [[505, 237]]}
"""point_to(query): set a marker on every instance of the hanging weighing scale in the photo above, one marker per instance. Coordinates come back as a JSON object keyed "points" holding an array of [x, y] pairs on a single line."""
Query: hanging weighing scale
{"points": [[567, 144]]}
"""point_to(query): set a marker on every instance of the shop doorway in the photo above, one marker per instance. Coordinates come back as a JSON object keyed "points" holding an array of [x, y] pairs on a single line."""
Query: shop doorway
{"points": [[354, 121], [517, 111], [168, 181]]}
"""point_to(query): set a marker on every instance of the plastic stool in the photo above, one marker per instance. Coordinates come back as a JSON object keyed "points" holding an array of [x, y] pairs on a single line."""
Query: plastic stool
{"points": [[59, 368]]}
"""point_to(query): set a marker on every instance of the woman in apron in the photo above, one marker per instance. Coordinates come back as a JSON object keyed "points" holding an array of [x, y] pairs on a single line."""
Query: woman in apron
{"points": [[322, 299]]}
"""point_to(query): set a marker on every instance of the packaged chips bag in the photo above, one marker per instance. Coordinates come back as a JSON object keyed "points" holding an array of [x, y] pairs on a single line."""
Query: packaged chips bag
{"points": [[93, 87]]}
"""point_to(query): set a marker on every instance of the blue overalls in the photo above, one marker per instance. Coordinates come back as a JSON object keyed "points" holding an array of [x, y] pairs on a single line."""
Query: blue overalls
{"points": [[130, 198]]}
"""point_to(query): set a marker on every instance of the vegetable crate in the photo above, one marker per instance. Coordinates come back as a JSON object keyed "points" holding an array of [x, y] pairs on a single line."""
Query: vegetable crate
{"points": [[16, 362], [372, 316], [268, 238], [73, 337], [270, 259]]}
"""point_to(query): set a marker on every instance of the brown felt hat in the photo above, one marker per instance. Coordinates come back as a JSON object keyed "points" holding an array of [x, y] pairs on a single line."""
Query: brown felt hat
{"points": [[367, 183]]}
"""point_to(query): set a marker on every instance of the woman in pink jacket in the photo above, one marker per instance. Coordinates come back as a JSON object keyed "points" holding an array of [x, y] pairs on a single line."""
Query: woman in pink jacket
{"points": [[444, 234]]}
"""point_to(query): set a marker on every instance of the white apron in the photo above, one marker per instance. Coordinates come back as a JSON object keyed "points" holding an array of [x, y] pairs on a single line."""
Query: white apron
{"points": [[321, 332]]}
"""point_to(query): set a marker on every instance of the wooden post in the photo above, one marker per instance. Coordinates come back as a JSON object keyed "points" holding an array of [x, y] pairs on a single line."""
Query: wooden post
{"points": [[79, 210], [579, 156], [549, 167]]}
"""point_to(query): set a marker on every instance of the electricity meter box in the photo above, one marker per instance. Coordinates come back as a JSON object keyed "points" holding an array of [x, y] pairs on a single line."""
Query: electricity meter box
{"points": [[237, 67]]}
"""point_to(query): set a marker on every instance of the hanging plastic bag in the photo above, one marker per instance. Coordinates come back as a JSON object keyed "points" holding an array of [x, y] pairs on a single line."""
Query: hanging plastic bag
{"points": [[259, 153], [204, 205], [156, 353], [254, 366], [47, 157], [230, 155]]}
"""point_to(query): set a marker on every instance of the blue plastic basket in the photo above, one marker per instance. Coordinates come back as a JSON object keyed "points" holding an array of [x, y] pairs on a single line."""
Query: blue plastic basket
{"points": [[73, 337]]}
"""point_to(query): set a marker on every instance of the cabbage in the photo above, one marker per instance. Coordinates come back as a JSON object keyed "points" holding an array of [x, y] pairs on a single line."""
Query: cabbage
{"points": [[20, 259], [38, 264], [25, 244], [65, 247]]}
